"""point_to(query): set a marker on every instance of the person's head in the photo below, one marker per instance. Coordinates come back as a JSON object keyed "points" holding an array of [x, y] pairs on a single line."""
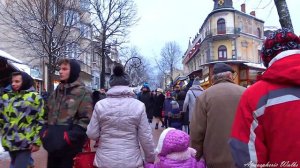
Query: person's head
{"points": [[102, 91], [172, 141], [196, 81], [222, 71], [168, 94], [21, 81], [119, 77], [174, 104], [277, 42], [69, 70], [159, 91], [177, 88], [145, 87]]}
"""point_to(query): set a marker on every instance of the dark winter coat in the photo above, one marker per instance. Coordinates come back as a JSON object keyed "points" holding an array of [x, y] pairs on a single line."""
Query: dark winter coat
{"points": [[69, 112], [167, 105], [147, 99], [158, 105], [180, 97]]}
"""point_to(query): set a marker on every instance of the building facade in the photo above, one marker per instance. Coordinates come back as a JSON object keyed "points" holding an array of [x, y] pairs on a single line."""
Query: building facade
{"points": [[230, 36]]}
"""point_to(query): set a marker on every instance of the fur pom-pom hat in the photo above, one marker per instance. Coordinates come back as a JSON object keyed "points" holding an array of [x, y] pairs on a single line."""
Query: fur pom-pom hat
{"points": [[119, 77], [278, 41]]}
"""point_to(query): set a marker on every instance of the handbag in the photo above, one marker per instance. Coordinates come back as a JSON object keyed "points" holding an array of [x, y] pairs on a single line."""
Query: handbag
{"points": [[86, 158]]}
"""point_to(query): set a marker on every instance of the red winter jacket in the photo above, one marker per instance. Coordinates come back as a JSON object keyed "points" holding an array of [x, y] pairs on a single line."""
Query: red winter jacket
{"points": [[266, 130]]}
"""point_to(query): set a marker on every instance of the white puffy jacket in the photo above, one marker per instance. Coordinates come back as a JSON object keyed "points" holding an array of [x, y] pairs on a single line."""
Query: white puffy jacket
{"points": [[120, 123]]}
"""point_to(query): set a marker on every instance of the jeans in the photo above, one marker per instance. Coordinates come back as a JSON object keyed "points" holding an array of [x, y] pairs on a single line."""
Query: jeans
{"points": [[20, 159]]}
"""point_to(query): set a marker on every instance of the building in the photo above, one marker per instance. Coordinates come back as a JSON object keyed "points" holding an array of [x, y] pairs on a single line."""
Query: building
{"points": [[77, 17], [227, 35]]}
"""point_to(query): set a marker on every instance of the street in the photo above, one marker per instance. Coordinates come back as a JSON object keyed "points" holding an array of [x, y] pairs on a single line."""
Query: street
{"points": [[40, 157]]}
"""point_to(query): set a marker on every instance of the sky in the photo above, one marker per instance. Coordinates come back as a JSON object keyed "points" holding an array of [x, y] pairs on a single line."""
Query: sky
{"points": [[178, 20]]}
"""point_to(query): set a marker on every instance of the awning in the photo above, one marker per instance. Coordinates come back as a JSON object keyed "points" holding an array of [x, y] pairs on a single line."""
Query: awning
{"points": [[5, 55], [256, 66], [196, 73], [24, 68]]}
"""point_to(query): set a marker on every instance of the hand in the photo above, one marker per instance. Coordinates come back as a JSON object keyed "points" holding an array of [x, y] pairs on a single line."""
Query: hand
{"points": [[34, 148]]}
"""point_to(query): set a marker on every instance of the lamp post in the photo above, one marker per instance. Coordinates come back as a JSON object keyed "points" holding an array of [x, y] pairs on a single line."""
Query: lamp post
{"points": [[132, 63]]}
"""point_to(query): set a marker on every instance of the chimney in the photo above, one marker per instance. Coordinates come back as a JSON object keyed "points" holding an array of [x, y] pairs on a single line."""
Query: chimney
{"points": [[243, 7], [252, 13]]}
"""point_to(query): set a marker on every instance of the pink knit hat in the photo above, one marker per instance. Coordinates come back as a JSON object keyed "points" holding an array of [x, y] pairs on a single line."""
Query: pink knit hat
{"points": [[172, 140]]}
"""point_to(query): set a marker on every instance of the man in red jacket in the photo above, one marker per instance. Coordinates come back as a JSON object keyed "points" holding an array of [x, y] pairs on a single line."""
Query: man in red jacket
{"points": [[266, 130]]}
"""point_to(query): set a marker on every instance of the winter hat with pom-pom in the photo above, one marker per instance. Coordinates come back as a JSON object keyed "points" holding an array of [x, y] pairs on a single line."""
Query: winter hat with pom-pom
{"points": [[278, 41], [119, 77], [172, 140]]}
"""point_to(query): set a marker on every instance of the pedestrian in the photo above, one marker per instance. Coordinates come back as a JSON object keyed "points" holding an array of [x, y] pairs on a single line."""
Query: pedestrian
{"points": [[190, 99], [69, 111], [158, 103], [179, 96], [213, 116], [266, 126], [21, 119], [147, 98], [173, 151], [167, 108], [98, 95], [175, 116], [120, 123], [102, 93]]}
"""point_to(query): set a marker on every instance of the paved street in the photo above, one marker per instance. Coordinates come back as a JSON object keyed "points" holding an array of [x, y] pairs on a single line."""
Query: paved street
{"points": [[40, 157]]}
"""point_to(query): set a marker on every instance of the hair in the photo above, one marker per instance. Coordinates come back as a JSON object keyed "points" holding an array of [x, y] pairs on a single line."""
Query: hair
{"points": [[63, 61], [222, 76], [16, 74]]}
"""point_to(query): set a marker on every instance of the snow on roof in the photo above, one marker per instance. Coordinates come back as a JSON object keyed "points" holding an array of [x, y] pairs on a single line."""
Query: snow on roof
{"points": [[5, 55], [255, 65]]}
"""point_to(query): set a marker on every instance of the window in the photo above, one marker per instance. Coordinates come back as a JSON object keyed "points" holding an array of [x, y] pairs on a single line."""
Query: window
{"points": [[85, 5], [71, 18], [258, 33], [53, 7], [85, 31], [73, 50], [222, 52], [221, 27]]}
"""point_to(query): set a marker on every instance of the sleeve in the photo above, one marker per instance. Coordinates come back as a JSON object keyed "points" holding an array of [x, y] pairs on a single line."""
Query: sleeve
{"points": [[198, 125], [39, 118], [145, 137], [1, 112], [93, 129], [85, 110], [186, 102], [247, 139]]}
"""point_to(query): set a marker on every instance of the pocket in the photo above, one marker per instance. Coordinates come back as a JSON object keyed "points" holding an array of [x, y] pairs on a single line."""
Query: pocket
{"points": [[54, 138]]}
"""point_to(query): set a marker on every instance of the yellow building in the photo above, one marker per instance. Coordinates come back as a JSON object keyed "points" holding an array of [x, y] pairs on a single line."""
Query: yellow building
{"points": [[227, 35]]}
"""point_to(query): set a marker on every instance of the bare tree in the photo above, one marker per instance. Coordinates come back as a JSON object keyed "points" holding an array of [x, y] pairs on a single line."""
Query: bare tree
{"points": [[113, 18], [170, 57], [48, 27], [284, 15]]}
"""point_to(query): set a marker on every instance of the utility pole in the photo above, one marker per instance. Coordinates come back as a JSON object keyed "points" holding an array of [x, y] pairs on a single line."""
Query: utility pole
{"points": [[284, 15]]}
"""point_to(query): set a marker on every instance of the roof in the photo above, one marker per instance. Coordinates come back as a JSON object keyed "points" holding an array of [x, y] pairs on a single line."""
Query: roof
{"points": [[255, 65], [5, 55], [225, 61]]}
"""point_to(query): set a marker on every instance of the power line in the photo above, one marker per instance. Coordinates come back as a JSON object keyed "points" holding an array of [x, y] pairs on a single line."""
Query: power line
{"points": [[266, 4], [270, 12]]}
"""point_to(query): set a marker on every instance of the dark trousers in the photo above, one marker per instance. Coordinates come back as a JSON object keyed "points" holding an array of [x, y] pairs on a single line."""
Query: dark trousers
{"points": [[20, 159], [62, 159]]}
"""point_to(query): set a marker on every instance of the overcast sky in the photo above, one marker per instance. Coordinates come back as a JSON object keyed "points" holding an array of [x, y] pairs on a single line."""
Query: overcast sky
{"points": [[177, 20]]}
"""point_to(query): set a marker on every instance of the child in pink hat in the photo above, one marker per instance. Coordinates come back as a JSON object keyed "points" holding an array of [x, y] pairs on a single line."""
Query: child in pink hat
{"points": [[173, 151]]}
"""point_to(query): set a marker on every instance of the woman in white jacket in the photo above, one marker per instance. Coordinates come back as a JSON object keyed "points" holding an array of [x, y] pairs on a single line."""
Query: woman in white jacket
{"points": [[120, 123], [190, 99]]}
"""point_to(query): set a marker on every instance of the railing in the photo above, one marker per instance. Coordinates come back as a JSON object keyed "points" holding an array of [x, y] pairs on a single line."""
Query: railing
{"points": [[227, 30]]}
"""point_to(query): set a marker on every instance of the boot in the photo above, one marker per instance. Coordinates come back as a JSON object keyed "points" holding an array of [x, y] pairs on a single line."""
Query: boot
{"points": [[156, 126]]}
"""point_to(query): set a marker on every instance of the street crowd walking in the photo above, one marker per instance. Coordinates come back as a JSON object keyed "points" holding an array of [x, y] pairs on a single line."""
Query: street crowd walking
{"points": [[223, 126]]}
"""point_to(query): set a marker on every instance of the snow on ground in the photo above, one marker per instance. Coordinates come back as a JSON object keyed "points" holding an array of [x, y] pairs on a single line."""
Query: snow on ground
{"points": [[2, 152]]}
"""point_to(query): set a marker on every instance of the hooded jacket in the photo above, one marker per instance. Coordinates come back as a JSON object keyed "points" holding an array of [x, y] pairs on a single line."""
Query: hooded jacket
{"points": [[190, 99], [266, 126], [120, 123], [21, 116]]}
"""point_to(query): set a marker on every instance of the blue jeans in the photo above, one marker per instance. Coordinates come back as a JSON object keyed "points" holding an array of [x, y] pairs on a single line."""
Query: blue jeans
{"points": [[20, 159]]}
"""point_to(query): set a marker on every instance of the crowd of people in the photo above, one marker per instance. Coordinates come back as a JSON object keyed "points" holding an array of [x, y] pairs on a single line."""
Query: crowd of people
{"points": [[224, 126]]}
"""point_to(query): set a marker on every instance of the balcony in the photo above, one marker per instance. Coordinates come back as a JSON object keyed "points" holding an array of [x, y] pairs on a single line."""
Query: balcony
{"points": [[85, 68], [223, 34]]}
